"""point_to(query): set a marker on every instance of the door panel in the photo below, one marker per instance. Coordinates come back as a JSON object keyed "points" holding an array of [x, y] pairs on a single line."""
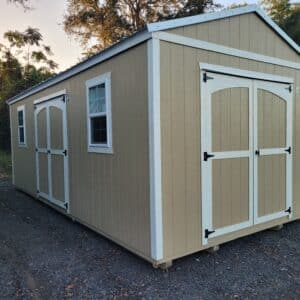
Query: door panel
{"points": [[272, 184], [230, 119], [230, 191], [271, 127], [42, 128], [227, 173], [43, 173], [56, 127], [273, 144], [57, 168]]}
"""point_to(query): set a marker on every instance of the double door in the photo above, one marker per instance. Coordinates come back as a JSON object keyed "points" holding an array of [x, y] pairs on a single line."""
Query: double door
{"points": [[246, 144], [52, 175]]}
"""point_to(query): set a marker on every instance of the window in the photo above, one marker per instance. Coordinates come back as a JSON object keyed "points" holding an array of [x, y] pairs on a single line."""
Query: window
{"points": [[99, 114], [21, 126]]}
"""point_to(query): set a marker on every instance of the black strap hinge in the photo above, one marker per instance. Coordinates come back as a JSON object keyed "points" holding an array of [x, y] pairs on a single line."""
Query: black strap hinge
{"points": [[288, 150], [290, 88], [206, 77], [208, 232], [289, 210], [65, 152], [206, 156], [66, 205]]}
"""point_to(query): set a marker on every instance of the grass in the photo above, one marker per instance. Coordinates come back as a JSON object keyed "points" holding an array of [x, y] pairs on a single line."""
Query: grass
{"points": [[5, 164]]}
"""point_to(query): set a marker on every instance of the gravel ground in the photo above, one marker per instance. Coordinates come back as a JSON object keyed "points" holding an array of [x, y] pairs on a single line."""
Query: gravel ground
{"points": [[44, 255]]}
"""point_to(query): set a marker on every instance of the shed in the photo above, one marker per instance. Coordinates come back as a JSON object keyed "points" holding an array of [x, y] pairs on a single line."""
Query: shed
{"points": [[177, 139]]}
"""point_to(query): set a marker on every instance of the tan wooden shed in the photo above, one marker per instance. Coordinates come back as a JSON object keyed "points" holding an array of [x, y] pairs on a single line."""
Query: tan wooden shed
{"points": [[177, 139]]}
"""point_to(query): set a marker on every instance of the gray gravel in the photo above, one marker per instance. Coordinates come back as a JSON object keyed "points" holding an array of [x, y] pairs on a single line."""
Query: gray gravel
{"points": [[44, 255]]}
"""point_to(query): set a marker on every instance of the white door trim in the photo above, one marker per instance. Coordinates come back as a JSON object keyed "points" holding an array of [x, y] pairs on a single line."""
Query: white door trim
{"points": [[59, 102], [283, 91], [207, 89]]}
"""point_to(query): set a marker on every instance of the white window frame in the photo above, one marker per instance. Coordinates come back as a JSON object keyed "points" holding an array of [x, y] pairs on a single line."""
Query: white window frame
{"points": [[22, 109], [100, 148]]}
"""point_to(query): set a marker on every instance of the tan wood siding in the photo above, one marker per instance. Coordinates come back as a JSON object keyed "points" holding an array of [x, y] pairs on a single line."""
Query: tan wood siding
{"points": [[246, 32], [109, 192], [180, 121]]}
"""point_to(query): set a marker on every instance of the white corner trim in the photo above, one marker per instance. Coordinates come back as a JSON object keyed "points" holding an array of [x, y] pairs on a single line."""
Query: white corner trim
{"points": [[199, 44], [164, 25], [12, 147], [155, 149], [244, 73], [97, 59], [51, 96]]}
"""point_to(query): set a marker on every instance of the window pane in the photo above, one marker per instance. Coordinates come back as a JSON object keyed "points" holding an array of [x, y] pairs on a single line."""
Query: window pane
{"points": [[98, 130], [20, 117], [21, 135], [97, 99]]}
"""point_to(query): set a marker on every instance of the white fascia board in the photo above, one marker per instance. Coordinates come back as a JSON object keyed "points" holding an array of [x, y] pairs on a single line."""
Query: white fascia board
{"points": [[102, 56], [161, 26], [198, 19], [199, 44]]}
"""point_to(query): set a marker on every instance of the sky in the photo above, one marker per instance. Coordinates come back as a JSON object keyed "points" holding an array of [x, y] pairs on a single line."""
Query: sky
{"points": [[47, 15]]}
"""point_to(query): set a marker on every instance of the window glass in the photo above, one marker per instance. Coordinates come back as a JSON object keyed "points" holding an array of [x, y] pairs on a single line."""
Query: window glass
{"points": [[20, 117], [98, 130], [21, 135], [97, 99]]}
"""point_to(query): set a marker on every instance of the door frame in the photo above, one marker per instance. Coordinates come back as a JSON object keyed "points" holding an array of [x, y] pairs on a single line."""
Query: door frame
{"points": [[58, 100], [206, 222]]}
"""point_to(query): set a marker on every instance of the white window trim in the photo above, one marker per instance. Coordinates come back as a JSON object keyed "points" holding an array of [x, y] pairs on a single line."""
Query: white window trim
{"points": [[100, 148], [22, 108]]}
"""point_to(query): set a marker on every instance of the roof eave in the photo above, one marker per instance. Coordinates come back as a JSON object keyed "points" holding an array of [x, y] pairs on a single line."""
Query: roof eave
{"points": [[106, 54]]}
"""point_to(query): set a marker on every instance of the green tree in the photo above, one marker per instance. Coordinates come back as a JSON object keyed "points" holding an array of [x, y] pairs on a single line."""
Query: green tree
{"points": [[278, 10], [99, 24], [286, 15], [292, 25], [24, 62]]}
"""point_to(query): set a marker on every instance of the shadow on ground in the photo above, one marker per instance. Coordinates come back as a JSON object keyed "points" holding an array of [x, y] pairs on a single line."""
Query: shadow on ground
{"points": [[45, 255]]}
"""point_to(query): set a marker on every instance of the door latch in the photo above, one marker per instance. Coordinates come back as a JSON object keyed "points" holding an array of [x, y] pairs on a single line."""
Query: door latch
{"points": [[207, 156], [65, 152], [257, 152]]}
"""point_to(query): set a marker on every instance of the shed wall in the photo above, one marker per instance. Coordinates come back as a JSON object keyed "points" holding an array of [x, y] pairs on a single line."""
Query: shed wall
{"points": [[180, 131], [246, 32], [108, 192]]}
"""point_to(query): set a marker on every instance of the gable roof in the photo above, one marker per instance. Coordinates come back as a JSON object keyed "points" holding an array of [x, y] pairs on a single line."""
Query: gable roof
{"points": [[146, 34], [203, 18]]}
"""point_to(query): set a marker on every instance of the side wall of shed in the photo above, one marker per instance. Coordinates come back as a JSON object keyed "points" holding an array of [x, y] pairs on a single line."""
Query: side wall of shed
{"points": [[108, 192], [181, 144]]}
